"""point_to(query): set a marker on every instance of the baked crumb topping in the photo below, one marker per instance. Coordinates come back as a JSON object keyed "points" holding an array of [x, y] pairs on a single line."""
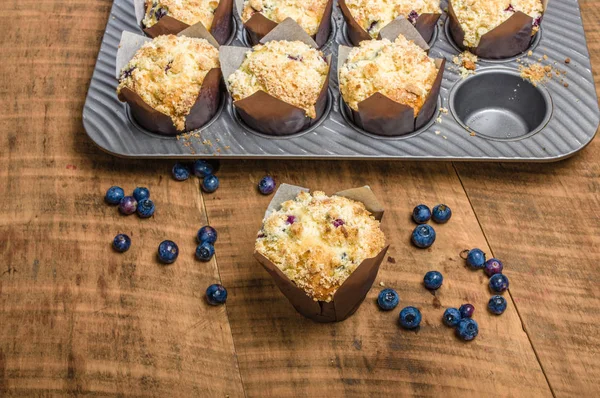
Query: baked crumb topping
{"points": [[188, 11], [317, 241], [168, 72], [307, 13], [292, 71], [400, 70], [477, 17], [373, 15]]}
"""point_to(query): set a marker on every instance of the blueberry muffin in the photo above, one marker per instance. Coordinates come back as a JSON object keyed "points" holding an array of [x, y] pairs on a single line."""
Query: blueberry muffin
{"points": [[188, 11], [307, 13], [291, 71], [478, 17], [168, 72], [373, 15], [317, 241], [400, 70]]}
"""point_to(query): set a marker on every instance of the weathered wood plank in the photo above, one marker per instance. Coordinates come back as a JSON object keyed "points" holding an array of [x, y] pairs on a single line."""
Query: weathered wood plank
{"points": [[543, 221], [77, 318], [283, 354]]}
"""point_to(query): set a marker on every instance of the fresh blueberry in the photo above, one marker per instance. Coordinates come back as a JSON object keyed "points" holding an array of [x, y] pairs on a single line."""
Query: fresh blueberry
{"points": [[210, 184], [372, 26], [451, 317], [145, 208], [441, 214], [498, 283], [433, 280], [202, 168], [410, 317], [466, 310], [180, 172], [141, 193], [413, 16], [423, 236], [205, 251], [207, 234], [467, 329], [388, 299], [216, 294], [168, 251], [121, 243], [114, 195], [266, 185], [493, 266], [421, 214], [497, 305], [128, 205], [476, 258], [160, 12]]}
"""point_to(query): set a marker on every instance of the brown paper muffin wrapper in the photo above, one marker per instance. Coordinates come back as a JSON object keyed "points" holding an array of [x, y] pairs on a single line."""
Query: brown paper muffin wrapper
{"points": [[220, 29], [202, 111], [510, 38], [425, 25], [379, 114], [261, 111], [258, 26], [353, 291]]}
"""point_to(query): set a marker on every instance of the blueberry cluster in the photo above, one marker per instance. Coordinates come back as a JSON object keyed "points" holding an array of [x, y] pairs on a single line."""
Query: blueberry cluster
{"points": [[423, 235], [203, 169], [462, 319], [409, 318], [139, 201], [498, 282]]}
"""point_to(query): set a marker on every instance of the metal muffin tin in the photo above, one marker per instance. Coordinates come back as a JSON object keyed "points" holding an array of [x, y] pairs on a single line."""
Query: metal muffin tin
{"points": [[518, 122]]}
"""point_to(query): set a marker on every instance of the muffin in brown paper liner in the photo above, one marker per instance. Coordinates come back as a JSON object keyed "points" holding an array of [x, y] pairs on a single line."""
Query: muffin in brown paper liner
{"points": [[258, 26], [220, 29], [425, 25], [510, 38], [379, 114], [206, 105], [353, 291], [263, 112]]}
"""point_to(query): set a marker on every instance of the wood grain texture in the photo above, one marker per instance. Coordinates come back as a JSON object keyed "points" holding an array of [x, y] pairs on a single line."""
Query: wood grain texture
{"points": [[75, 317], [543, 220], [283, 354]]}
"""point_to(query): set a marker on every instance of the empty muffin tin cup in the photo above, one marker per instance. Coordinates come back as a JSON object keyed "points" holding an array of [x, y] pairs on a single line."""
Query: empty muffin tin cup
{"points": [[258, 26], [510, 38], [498, 104], [353, 291], [425, 24], [221, 29]]}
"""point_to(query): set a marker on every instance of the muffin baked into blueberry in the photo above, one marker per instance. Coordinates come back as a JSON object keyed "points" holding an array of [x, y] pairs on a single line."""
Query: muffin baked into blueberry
{"points": [[317, 241], [478, 17], [373, 15], [187, 11], [290, 71], [168, 72], [400, 70], [307, 13]]}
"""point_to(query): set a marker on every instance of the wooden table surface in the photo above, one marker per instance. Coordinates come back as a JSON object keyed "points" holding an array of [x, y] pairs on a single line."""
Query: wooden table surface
{"points": [[78, 319]]}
